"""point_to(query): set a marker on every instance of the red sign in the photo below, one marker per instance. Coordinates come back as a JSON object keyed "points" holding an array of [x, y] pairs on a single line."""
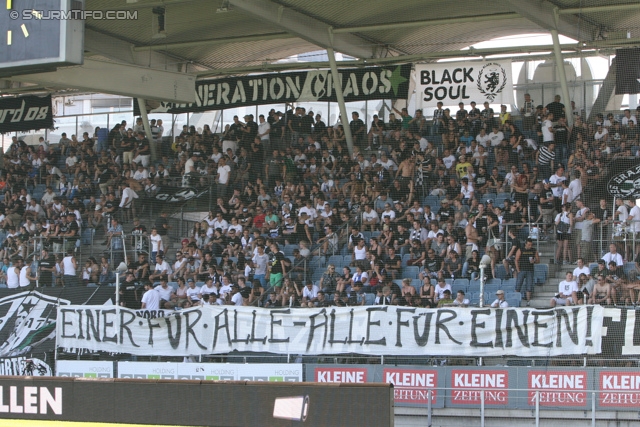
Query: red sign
{"points": [[341, 375], [558, 388], [412, 385], [619, 389], [468, 386]]}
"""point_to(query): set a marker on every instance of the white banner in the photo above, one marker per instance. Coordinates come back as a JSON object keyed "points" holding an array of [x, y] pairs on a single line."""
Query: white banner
{"points": [[387, 330], [273, 372], [455, 82]]}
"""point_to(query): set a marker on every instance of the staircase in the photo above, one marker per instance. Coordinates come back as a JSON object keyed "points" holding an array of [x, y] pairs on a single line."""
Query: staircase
{"points": [[543, 293]]}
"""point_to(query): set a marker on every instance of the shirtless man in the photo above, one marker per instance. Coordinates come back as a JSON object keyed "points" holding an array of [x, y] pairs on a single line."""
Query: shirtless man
{"points": [[406, 172], [601, 292], [472, 238]]}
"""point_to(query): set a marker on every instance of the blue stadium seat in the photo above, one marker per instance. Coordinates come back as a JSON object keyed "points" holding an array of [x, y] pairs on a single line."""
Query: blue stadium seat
{"points": [[411, 272], [405, 258], [540, 273], [509, 285], [514, 299], [474, 286], [501, 272], [369, 299], [495, 281], [336, 260], [460, 284], [288, 249]]}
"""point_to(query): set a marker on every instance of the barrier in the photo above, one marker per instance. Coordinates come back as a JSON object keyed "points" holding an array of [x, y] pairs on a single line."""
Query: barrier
{"points": [[239, 403]]}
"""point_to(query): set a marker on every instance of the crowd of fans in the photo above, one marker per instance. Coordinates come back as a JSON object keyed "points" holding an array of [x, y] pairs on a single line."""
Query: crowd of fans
{"points": [[433, 194]]}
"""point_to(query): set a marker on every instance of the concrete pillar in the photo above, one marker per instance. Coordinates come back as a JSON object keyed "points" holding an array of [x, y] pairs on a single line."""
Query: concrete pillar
{"points": [[343, 109], [563, 77], [147, 128]]}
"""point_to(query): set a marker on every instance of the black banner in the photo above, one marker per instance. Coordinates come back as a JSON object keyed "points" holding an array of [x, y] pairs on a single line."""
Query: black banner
{"points": [[28, 319], [238, 403], [623, 181], [25, 113], [627, 70], [358, 84]]}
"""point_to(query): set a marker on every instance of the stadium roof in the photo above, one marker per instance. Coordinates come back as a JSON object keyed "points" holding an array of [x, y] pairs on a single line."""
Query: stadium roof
{"points": [[208, 38]]}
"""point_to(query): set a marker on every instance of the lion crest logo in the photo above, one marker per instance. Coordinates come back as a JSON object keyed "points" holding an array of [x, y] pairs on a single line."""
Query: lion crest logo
{"points": [[492, 78]]}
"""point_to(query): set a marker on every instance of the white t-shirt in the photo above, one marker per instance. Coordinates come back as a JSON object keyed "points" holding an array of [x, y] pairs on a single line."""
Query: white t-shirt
{"points": [[448, 161], [224, 172], [236, 298], [608, 257], [547, 134], [193, 293], [310, 293], [260, 263], [555, 179], [360, 277], [372, 214], [165, 294], [623, 213], [567, 288], [500, 304], [151, 299], [483, 140], [578, 271], [156, 243], [634, 216], [496, 138]]}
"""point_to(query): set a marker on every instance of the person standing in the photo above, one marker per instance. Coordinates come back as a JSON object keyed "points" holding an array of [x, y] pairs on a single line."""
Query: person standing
{"points": [[13, 274], [70, 267], [526, 258], [528, 111]]}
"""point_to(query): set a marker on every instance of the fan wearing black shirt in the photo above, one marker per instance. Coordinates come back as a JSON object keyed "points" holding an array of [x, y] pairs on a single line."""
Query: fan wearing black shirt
{"points": [[47, 265], [513, 244], [481, 181], [140, 268], [446, 212]]}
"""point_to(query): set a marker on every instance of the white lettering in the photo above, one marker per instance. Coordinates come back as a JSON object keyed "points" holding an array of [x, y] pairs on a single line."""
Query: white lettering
{"points": [[559, 381], [497, 380]]}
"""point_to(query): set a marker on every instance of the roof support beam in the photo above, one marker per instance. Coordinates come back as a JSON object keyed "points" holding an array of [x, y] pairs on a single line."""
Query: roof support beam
{"points": [[119, 79], [474, 53], [414, 24], [599, 9], [212, 42], [545, 16], [305, 27]]}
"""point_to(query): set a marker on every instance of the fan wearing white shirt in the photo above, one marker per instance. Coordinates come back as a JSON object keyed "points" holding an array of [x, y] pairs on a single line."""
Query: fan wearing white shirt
{"points": [[567, 292], [613, 255]]}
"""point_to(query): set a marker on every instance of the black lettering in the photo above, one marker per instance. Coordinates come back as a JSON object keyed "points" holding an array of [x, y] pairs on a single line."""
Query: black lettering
{"points": [[106, 324], [80, 334], [253, 330], [478, 325], [498, 326], [93, 326], [440, 325], [174, 340], [538, 325], [455, 77], [124, 325], [277, 322], [428, 92], [235, 329], [441, 93], [313, 326], [588, 340], [446, 77], [464, 93], [434, 81], [151, 327], [425, 77], [573, 331], [63, 312], [451, 95], [523, 332], [332, 327], [383, 340], [219, 326], [190, 326], [467, 75], [422, 338], [401, 323], [350, 340]]}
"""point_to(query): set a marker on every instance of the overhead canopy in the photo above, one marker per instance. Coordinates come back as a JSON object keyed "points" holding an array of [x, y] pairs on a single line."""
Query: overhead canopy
{"points": [[206, 38]]}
